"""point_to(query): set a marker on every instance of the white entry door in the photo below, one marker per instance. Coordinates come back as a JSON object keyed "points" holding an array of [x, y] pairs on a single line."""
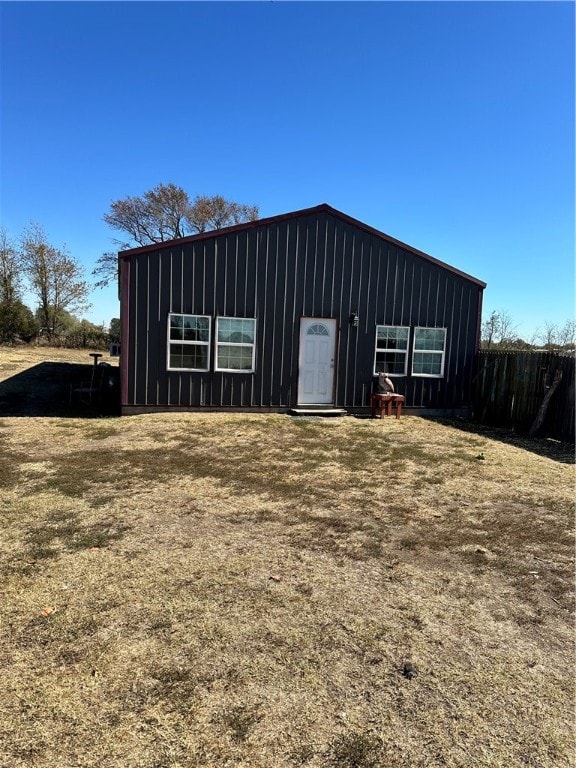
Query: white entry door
{"points": [[316, 365]]}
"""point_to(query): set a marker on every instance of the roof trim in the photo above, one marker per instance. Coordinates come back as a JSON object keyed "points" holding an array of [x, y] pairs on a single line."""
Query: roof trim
{"points": [[322, 208]]}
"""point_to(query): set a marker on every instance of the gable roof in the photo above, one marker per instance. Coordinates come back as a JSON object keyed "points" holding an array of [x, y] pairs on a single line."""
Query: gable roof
{"points": [[322, 208]]}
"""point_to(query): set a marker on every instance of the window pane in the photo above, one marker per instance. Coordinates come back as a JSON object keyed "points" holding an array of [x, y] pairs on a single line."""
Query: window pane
{"points": [[427, 362], [196, 328], [189, 328], [390, 362], [223, 329], [194, 356], [390, 337], [235, 358], [176, 326], [429, 338], [236, 330]]}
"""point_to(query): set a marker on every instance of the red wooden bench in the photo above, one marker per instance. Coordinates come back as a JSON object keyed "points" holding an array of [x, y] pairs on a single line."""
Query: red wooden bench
{"points": [[384, 403]]}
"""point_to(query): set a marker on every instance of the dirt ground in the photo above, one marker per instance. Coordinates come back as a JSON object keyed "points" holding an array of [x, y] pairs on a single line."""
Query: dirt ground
{"points": [[258, 590]]}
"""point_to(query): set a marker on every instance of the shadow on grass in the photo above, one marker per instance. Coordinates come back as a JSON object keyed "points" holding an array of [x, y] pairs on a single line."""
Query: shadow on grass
{"points": [[45, 390], [551, 449]]}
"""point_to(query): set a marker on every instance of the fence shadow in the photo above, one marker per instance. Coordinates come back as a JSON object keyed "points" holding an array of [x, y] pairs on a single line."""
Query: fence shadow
{"points": [[44, 390], [551, 449]]}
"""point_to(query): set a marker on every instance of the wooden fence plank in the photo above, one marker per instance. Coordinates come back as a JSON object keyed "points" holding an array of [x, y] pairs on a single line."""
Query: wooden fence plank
{"points": [[510, 388]]}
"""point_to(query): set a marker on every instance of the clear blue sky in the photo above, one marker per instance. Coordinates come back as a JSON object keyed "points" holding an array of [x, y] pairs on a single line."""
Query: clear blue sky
{"points": [[449, 126]]}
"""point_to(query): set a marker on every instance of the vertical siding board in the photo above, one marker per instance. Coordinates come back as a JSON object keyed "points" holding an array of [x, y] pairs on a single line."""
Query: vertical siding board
{"points": [[195, 255], [402, 284], [139, 339], [322, 256], [343, 313], [372, 315], [362, 374], [177, 288], [160, 361], [146, 290], [133, 331], [276, 316], [220, 271], [317, 288], [390, 284], [453, 329], [287, 320], [252, 299], [270, 234], [259, 236], [270, 316], [308, 270], [154, 343], [333, 255]]}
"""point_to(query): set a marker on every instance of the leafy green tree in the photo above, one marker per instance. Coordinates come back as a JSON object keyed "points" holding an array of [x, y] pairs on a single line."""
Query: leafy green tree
{"points": [[86, 335], [56, 279], [17, 322], [16, 319], [114, 329], [163, 213], [10, 269]]}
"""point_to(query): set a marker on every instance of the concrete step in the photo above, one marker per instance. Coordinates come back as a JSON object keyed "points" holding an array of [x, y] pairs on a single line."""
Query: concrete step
{"points": [[317, 411]]}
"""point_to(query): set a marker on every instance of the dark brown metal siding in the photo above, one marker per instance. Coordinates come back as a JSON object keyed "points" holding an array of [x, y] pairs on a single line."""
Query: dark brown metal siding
{"points": [[314, 265]]}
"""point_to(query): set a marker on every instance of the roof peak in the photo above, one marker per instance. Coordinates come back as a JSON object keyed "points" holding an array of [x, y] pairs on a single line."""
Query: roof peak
{"points": [[320, 208]]}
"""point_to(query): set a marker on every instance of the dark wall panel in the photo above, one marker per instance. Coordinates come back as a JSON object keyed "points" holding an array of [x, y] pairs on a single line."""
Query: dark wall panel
{"points": [[308, 266]]}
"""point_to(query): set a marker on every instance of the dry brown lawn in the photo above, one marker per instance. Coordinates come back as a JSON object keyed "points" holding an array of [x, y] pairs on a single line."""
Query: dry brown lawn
{"points": [[245, 590]]}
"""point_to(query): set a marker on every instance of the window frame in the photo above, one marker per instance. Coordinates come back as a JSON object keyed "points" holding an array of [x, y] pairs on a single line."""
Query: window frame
{"points": [[405, 352], [194, 343], [217, 344], [429, 352]]}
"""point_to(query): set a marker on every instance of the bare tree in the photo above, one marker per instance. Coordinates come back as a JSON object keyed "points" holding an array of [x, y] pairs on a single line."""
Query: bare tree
{"points": [[56, 279], [156, 216], [499, 330], [554, 336], [490, 328], [547, 336], [166, 213], [567, 334], [106, 269]]}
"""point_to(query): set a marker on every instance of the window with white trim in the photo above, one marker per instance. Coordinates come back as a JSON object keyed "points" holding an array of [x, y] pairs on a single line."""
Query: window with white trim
{"points": [[391, 349], [428, 353], [188, 342], [235, 344]]}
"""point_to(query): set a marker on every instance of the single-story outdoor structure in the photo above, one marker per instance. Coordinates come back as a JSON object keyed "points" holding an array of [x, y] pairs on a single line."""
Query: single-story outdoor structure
{"points": [[297, 310]]}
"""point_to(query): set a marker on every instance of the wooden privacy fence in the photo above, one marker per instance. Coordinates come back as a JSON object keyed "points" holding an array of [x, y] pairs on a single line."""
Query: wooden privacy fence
{"points": [[530, 392]]}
